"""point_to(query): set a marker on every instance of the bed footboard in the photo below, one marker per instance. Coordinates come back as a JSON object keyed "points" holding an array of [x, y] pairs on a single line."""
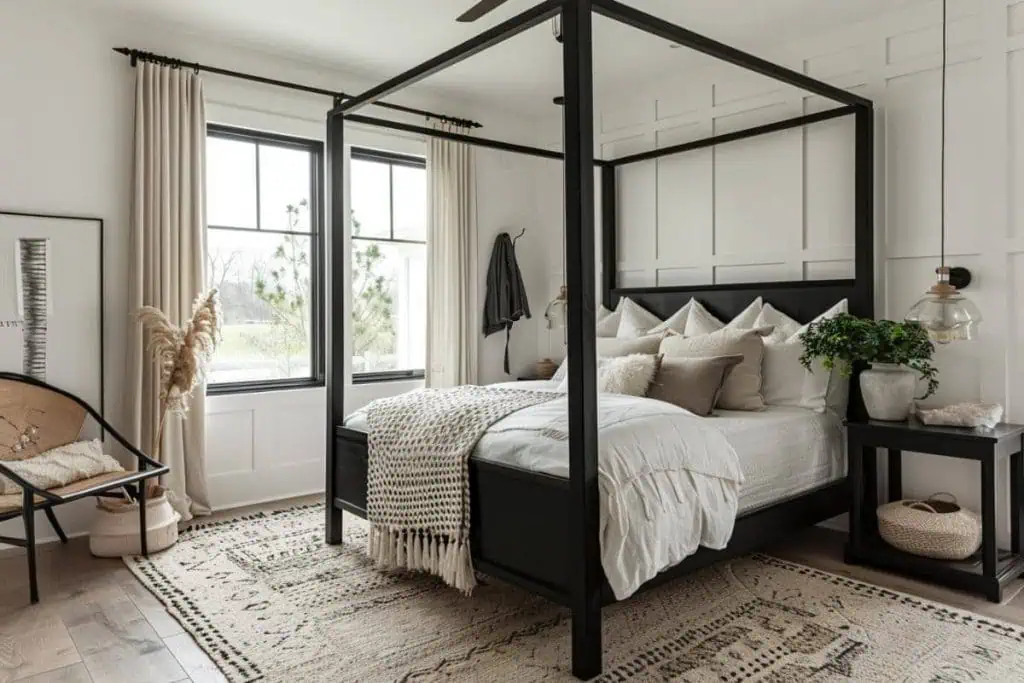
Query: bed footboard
{"points": [[519, 520]]}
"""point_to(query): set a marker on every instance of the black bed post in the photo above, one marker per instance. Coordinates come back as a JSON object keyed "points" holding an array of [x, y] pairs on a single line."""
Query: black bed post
{"points": [[609, 229], [584, 551], [864, 209], [334, 325]]}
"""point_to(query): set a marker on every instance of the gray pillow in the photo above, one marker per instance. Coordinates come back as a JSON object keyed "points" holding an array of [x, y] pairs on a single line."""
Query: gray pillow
{"points": [[742, 388], [692, 383]]}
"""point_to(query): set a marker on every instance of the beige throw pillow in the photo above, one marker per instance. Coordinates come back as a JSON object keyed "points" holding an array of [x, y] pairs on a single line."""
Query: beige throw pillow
{"points": [[611, 348], [692, 383], [742, 388]]}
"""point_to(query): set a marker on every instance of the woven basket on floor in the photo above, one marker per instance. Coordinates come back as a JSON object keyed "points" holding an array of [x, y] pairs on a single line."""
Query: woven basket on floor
{"points": [[934, 528], [115, 527]]}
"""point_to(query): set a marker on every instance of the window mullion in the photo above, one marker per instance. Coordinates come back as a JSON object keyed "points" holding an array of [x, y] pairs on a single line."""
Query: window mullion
{"points": [[391, 198], [259, 206]]}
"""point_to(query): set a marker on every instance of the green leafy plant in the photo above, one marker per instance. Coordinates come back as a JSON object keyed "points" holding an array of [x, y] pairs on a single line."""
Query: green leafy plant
{"points": [[846, 340]]}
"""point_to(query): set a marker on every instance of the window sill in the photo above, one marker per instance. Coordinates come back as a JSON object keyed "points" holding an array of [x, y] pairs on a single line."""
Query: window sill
{"points": [[235, 388], [381, 377]]}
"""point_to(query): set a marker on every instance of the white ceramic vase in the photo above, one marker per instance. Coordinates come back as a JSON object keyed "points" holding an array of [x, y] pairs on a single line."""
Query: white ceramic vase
{"points": [[888, 391]]}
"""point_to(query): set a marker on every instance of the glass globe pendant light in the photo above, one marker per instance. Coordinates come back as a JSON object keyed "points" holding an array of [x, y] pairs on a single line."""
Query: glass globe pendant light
{"points": [[945, 313]]}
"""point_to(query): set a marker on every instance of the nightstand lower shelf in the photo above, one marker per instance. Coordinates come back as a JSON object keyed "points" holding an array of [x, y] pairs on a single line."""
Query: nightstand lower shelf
{"points": [[967, 575]]}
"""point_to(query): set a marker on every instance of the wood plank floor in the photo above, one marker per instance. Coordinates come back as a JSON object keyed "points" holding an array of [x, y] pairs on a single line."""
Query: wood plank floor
{"points": [[95, 622]]}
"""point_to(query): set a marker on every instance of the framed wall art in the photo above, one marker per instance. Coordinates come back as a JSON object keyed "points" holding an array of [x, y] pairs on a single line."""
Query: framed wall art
{"points": [[51, 300]]}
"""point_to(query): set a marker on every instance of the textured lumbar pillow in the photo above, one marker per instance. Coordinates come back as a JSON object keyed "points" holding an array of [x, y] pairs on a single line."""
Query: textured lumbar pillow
{"points": [[742, 388], [692, 383], [61, 466], [701, 321]]}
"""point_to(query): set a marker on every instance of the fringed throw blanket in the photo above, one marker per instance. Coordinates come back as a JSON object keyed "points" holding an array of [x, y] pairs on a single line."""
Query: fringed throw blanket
{"points": [[418, 475]]}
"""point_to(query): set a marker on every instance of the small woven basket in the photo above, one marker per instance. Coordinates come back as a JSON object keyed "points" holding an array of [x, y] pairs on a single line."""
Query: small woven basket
{"points": [[935, 528]]}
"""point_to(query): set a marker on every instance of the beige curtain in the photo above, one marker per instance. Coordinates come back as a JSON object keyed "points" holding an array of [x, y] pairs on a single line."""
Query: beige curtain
{"points": [[453, 327], [168, 245]]}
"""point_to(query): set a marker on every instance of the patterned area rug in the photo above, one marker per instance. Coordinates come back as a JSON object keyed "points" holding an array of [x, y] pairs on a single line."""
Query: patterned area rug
{"points": [[269, 601]]}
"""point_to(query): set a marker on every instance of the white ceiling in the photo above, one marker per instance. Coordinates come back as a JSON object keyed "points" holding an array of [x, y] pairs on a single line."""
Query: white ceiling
{"points": [[381, 38]]}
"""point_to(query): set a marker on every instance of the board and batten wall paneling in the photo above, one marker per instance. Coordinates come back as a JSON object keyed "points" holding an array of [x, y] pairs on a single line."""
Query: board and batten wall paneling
{"points": [[781, 207]]}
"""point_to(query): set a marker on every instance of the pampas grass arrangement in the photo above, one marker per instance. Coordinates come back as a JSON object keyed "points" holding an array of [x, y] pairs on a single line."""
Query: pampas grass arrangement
{"points": [[181, 352]]}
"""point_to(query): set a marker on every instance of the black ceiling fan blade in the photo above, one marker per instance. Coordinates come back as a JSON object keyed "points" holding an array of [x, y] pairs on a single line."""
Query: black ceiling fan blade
{"points": [[480, 9]]}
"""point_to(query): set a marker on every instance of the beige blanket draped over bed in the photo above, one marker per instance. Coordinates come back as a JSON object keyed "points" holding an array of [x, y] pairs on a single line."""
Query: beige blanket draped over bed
{"points": [[419, 445]]}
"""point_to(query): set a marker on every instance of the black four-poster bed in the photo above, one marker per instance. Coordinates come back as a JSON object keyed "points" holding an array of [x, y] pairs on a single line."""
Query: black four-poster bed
{"points": [[538, 531]]}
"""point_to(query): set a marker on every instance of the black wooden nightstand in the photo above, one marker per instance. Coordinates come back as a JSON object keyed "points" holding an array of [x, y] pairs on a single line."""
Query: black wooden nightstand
{"points": [[987, 572]]}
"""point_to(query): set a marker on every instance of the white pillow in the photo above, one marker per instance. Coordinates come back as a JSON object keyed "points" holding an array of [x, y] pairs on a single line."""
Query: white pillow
{"points": [[786, 328], [785, 381], [701, 321], [676, 322], [636, 320], [629, 375], [608, 323]]}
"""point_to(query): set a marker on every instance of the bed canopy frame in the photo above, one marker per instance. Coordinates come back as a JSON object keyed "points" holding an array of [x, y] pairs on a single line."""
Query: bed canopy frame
{"points": [[582, 587]]}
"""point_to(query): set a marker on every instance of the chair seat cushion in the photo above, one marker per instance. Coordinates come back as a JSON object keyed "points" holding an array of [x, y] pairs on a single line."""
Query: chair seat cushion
{"points": [[12, 502]]}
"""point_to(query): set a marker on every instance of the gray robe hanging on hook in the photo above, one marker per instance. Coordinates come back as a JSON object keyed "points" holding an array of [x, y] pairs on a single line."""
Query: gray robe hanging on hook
{"points": [[506, 300]]}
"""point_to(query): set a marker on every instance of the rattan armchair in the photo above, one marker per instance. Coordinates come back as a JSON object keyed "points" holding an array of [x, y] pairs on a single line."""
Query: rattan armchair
{"points": [[35, 417]]}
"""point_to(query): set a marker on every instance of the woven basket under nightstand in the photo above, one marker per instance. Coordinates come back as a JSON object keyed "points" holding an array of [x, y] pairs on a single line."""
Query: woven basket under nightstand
{"points": [[934, 528]]}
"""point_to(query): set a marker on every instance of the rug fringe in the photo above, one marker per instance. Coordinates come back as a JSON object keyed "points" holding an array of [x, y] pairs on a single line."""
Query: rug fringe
{"points": [[443, 556]]}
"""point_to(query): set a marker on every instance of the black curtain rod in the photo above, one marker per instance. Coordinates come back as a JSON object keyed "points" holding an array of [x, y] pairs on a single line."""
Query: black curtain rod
{"points": [[136, 55]]}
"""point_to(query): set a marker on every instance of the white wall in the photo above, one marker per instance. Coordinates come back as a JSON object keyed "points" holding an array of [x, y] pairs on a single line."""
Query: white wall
{"points": [[513, 206], [65, 146], [780, 207]]}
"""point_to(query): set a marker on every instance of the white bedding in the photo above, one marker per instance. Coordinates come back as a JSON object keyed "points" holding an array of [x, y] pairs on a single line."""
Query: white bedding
{"points": [[670, 481]]}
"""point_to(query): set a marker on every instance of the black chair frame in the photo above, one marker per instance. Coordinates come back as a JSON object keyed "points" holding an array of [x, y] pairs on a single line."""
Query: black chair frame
{"points": [[134, 483]]}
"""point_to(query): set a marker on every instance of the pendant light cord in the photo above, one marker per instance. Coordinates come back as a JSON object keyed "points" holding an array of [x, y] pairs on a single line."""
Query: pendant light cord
{"points": [[942, 143]]}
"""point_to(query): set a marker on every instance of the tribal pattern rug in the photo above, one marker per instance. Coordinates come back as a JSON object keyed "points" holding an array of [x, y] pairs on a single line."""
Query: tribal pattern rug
{"points": [[269, 601]]}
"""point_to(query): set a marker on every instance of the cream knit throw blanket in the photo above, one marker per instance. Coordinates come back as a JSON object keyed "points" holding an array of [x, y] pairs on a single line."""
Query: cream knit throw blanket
{"points": [[418, 475]]}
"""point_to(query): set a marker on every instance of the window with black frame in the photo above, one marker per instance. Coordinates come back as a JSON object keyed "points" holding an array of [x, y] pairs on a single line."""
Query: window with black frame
{"points": [[264, 255], [389, 265]]}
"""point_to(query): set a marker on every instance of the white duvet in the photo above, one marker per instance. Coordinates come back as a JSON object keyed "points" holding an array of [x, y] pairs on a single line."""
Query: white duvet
{"points": [[669, 480]]}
